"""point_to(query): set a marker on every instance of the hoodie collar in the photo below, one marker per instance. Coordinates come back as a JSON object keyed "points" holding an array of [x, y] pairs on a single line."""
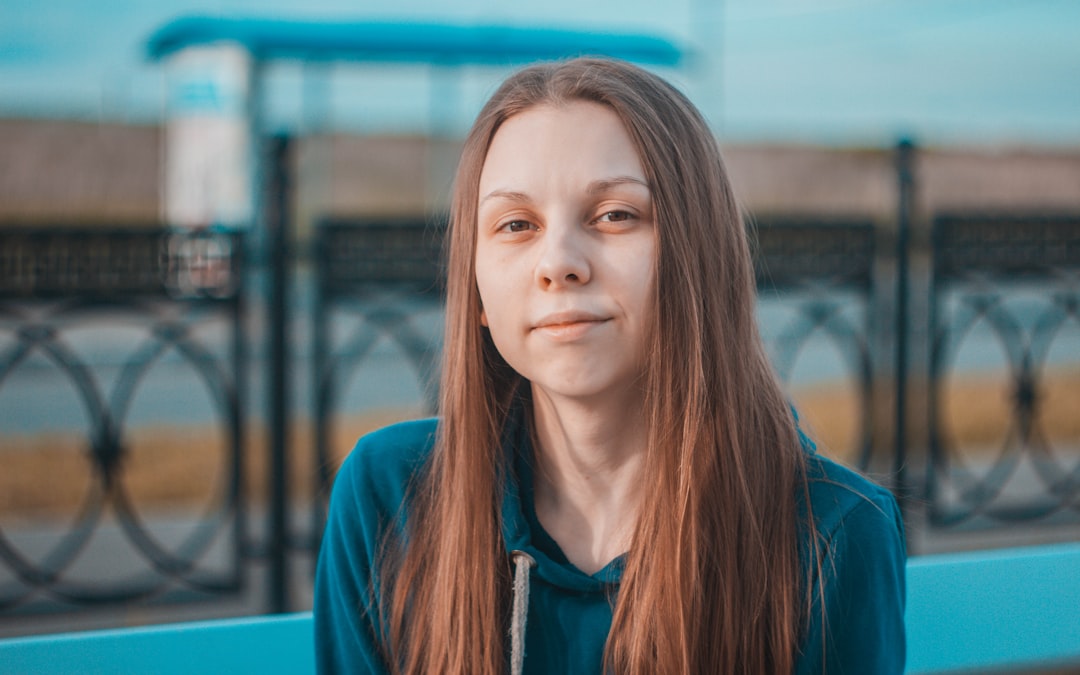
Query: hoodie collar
{"points": [[521, 528]]}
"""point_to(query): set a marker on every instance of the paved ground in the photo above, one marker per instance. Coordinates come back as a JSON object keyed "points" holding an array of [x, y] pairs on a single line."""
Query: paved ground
{"points": [[109, 555]]}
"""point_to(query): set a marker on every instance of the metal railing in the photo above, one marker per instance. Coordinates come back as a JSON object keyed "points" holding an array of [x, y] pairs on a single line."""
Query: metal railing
{"points": [[149, 293], [1017, 278], [843, 287]]}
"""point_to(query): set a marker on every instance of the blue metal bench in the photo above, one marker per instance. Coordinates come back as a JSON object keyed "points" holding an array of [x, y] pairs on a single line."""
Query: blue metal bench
{"points": [[264, 644], [1011, 608]]}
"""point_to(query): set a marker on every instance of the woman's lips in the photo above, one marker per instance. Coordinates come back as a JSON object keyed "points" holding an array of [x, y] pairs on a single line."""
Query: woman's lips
{"points": [[567, 326]]}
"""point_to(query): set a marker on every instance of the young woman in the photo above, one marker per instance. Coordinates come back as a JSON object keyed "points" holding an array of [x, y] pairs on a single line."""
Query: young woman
{"points": [[615, 482]]}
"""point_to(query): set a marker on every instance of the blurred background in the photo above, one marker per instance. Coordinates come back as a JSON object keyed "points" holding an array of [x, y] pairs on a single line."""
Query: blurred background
{"points": [[219, 235]]}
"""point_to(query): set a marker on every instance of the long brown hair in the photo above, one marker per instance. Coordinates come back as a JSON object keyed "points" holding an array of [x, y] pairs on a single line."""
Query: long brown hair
{"points": [[719, 587]]}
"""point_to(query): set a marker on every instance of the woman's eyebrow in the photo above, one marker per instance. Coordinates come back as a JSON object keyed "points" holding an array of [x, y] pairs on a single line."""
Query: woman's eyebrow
{"points": [[605, 184], [508, 195], [595, 187]]}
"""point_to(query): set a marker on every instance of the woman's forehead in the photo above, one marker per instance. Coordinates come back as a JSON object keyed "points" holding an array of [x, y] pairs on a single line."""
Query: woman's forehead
{"points": [[578, 142]]}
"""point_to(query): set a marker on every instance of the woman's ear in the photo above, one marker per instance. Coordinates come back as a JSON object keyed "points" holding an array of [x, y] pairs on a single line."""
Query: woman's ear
{"points": [[483, 318]]}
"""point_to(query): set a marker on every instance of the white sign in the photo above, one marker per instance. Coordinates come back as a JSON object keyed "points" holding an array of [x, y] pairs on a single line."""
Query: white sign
{"points": [[209, 160]]}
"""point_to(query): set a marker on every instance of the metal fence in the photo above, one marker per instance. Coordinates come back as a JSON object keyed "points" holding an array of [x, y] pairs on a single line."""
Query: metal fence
{"points": [[98, 312], [1016, 279], [827, 286]]}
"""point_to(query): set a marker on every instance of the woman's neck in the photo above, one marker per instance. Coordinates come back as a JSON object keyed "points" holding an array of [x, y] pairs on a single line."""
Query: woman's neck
{"points": [[589, 460]]}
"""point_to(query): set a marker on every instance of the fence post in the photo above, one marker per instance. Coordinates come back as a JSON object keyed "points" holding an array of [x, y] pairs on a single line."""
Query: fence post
{"points": [[905, 207], [277, 240]]}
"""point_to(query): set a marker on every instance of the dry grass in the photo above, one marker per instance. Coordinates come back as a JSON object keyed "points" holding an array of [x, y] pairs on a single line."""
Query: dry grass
{"points": [[164, 466], [976, 412], [184, 466]]}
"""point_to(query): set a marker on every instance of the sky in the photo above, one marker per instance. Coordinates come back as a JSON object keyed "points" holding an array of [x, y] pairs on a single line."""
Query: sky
{"points": [[856, 72]]}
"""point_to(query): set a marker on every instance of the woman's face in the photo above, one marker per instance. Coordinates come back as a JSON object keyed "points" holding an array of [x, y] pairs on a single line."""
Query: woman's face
{"points": [[566, 250]]}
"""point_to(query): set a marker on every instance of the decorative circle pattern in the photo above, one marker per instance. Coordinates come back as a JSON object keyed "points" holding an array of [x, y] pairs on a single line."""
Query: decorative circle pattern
{"points": [[44, 333]]}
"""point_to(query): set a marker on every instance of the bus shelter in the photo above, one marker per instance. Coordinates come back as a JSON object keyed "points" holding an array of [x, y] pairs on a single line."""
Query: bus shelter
{"points": [[214, 169]]}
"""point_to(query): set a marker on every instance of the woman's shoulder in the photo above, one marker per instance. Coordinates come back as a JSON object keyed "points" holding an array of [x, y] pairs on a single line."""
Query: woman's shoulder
{"points": [[839, 495], [368, 498], [859, 575], [384, 463], [407, 443]]}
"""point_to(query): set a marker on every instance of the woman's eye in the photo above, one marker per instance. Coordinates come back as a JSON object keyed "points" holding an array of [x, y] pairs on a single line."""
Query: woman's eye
{"points": [[615, 216], [517, 226]]}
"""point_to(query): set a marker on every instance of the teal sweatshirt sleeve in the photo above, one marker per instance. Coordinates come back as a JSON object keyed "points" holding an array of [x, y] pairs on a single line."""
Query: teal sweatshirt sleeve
{"points": [[367, 499], [862, 567]]}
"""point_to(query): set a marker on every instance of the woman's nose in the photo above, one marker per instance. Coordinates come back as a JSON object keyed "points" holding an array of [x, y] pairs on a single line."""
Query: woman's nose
{"points": [[563, 260]]}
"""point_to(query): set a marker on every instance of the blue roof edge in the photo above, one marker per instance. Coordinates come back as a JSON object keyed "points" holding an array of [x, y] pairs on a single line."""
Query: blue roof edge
{"points": [[407, 41]]}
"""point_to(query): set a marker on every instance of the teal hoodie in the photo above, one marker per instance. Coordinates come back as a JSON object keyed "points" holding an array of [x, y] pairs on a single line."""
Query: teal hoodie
{"points": [[569, 612]]}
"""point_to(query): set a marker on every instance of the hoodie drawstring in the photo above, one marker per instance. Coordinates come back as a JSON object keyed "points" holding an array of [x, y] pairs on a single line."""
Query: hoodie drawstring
{"points": [[522, 563]]}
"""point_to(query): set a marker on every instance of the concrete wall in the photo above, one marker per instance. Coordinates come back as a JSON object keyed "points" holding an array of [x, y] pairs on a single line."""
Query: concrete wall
{"points": [[75, 172]]}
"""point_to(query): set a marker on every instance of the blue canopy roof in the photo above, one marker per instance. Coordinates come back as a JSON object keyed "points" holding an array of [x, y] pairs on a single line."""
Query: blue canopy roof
{"points": [[407, 42]]}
